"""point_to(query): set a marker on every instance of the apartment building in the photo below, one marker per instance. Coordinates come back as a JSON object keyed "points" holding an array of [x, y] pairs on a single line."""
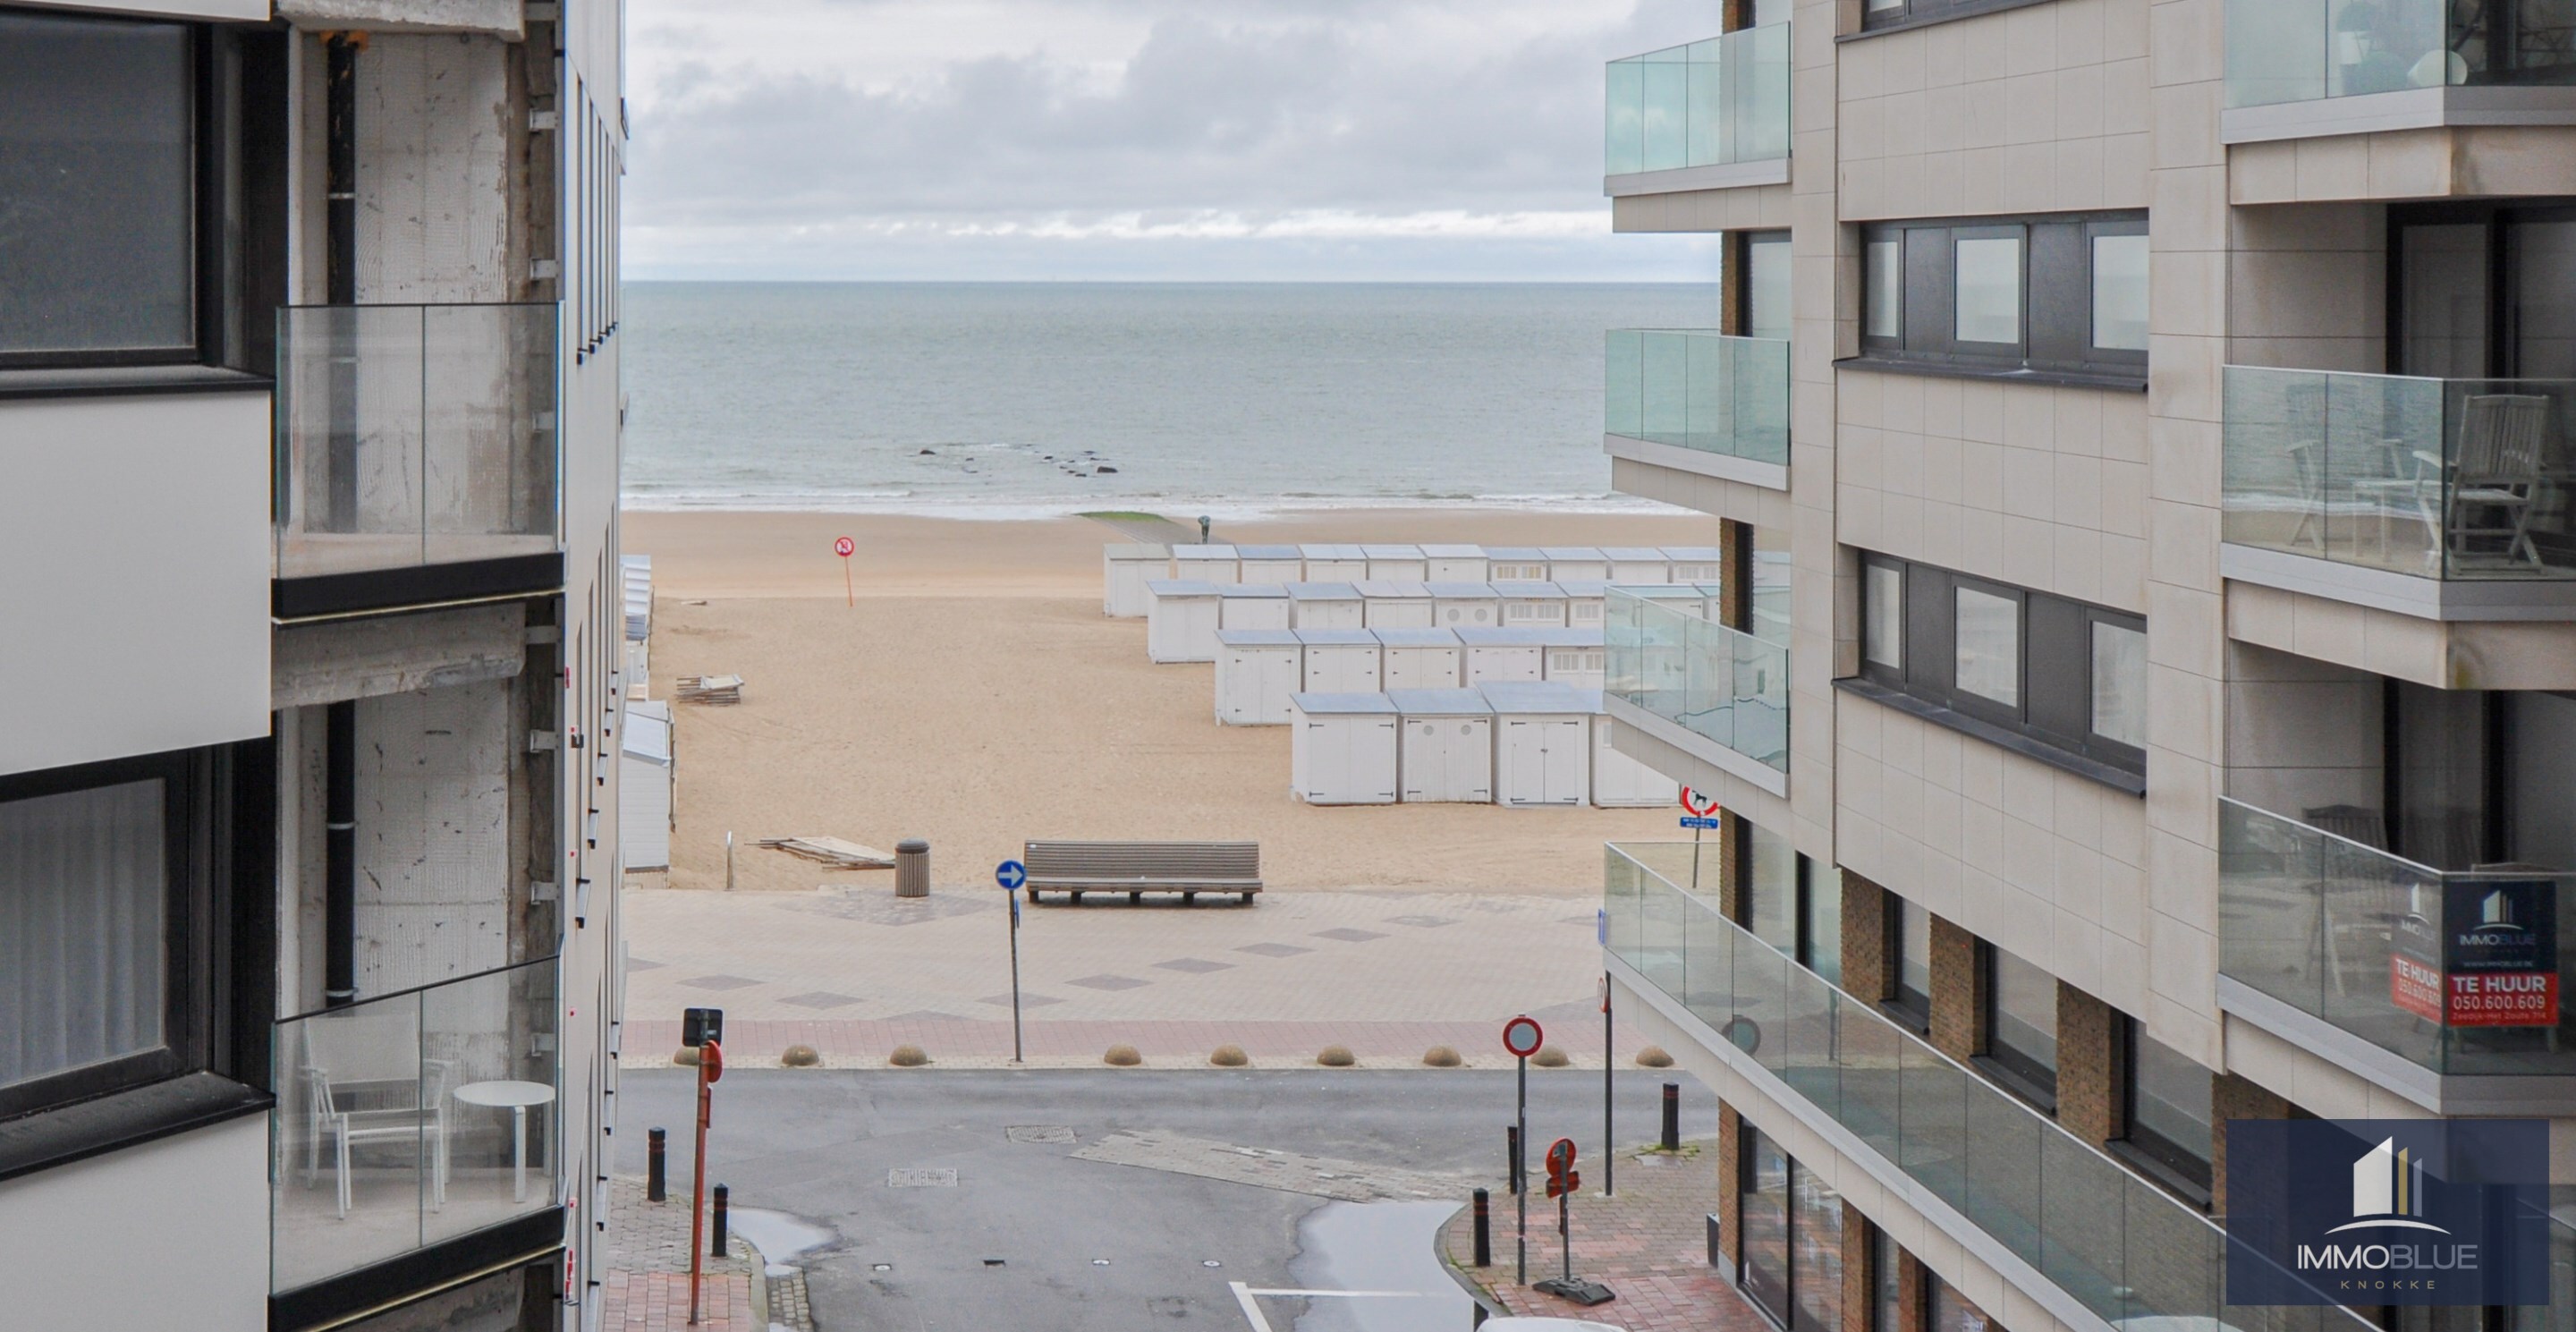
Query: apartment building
{"points": [[2144, 431], [309, 662]]}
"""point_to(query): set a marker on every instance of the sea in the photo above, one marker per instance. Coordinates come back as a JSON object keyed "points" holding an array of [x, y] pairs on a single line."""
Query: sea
{"points": [[1030, 399]]}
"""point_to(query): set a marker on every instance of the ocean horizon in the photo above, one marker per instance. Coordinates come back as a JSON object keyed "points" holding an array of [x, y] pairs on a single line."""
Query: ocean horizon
{"points": [[1038, 399]]}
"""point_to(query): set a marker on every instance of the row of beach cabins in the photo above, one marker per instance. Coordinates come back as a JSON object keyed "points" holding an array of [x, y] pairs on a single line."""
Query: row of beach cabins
{"points": [[1443, 673]]}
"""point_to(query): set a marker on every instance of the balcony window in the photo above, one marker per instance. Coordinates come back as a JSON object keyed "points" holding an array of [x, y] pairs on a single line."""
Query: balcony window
{"points": [[1910, 925], [2057, 296], [1766, 285], [2021, 1026], [1764, 1209], [2060, 680], [1953, 1312], [2309, 50], [1887, 1283], [2168, 1111]]}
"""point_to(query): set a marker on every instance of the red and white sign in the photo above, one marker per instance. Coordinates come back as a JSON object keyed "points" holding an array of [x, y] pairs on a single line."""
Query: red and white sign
{"points": [[1699, 805], [2415, 987], [843, 547], [2504, 999], [1522, 1037]]}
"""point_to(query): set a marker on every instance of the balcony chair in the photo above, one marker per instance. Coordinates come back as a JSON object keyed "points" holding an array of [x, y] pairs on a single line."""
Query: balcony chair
{"points": [[2501, 472], [365, 1083]]}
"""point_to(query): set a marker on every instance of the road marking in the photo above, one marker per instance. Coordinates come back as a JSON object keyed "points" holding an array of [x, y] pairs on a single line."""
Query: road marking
{"points": [[1243, 1297]]}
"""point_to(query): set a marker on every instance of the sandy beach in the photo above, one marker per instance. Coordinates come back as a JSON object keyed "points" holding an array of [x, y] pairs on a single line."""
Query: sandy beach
{"points": [[976, 697]]}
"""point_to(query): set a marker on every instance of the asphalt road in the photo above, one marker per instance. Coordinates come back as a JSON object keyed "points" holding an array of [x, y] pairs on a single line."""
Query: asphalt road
{"points": [[1087, 1245]]}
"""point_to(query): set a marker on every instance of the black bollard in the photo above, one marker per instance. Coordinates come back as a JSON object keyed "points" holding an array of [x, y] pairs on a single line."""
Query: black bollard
{"points": [[1512, 1159], [716, 1228], [1484, 1230], [655, 1173], [1672, 1116]]}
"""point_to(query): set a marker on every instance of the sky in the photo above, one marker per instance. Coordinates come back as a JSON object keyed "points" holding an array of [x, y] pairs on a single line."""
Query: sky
{"points": [[1191, 140]]}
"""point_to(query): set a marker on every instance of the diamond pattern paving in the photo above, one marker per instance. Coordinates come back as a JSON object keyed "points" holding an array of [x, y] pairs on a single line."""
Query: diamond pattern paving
{"points": [[821, 999], [1349, 935], [1273, 949], [718, 983], [1108, 982], [1195, 966]]}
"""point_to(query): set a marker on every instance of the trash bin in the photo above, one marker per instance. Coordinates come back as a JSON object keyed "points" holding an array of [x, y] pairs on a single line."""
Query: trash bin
{"points": [[912, 868]]}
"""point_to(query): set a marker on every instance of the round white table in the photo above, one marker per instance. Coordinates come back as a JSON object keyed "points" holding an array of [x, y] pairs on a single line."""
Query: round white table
{"points": [[518, 1096]]}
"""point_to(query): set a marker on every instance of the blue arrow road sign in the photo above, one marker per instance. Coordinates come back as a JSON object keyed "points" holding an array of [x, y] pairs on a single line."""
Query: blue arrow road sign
{"points": [[1010, 874], [1695, 822]]}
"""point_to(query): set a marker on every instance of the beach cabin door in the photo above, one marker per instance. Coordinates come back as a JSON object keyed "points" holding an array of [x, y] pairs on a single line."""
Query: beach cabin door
{"points": [[1349, 760], [1544, 760], [1257, 684], [1449, 759]]}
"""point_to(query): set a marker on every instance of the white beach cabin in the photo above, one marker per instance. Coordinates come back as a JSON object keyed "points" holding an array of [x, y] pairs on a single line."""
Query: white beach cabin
{"points": [[1576, 562], [1334, 563], [1215, 563], [1453, 564], [1575, 657], [1527, 605], [1542, 743], [1637, 565], [644, 786], [1180, 620], [1325, 606], [1583, 602], [1395, 563], [1252, 606], [1125, 568], [1342, 661], [1270, 564], [1395, 605], [637, 576], [1620, 782], [1695, 564], [1464, 605], [1421, 659], [1446, 754], [1499, 655], [1256, 671], [1515, 564], [1342, 749]]}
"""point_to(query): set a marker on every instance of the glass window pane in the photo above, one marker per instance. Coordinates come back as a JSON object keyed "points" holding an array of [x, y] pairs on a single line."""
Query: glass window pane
{"points": [[2120, 684], [1883, 289], [1989, 271], [1989, 641], [1817, 1268], [1767, 287], [1886, 6], [1887, 1263], [1883, 633], [2025, 1011], [2120, 292], [83, 892], [1765, 1212], [1951, 1311], [1914, 952], [2169, 1095], [1773, 888], [95, 170]]}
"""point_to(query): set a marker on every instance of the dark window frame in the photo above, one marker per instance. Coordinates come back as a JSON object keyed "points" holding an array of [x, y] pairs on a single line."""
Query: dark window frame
{"points": [[190, 927], [2497, 219], [2056, 667], [2173, 1165], [1923, 13], [236, 213], [2056, 298], [1910, 1009], [2015, 1071], [1740, 305]]}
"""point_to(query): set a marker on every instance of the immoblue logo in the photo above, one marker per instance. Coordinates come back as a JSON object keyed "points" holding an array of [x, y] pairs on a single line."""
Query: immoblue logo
{"points": [[2413, 1212]]}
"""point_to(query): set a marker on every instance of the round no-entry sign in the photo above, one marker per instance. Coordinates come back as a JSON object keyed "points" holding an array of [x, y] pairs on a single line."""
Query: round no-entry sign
{"points": [[1522, 1037], [1698, 804], [843, 546]]}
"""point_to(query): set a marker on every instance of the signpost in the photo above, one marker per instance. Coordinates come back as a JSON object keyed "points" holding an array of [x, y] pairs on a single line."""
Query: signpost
{"points": [[1011, 874], [1522, 1038], [844, 547], [1562, 1181], [1697, 816], [1609, 1183], [701, 1029]]}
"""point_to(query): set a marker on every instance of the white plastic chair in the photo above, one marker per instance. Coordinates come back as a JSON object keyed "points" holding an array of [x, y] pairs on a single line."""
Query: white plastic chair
{"points": [[365, 1083]]}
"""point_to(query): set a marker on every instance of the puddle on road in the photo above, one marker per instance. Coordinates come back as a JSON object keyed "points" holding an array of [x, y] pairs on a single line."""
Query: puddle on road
{"points": [[1387, 1246], [779, 1236]]}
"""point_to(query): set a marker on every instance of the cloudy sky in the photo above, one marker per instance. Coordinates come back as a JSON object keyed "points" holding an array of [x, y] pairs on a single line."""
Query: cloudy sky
{"points": [[1122, 139]]}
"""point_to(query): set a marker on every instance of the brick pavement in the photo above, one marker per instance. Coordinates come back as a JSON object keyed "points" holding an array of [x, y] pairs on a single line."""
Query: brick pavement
{"points": [[1649, 1245], [647, 1286]]}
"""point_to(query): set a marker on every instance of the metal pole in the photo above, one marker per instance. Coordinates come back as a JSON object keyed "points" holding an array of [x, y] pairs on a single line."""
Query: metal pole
{"points": [[1511, 1158], [1672, 1116], [1565, 1233], [698, 1190], [1695, 831], [716, 1228], [1609, 1154], [1014, 895], [656, 1173], [1520, 1172], [1484, 1229], [729, 863]]}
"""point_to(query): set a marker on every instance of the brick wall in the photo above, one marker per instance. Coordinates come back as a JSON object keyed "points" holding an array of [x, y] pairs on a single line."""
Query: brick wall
{"points": [[1860, 1292], [1913, 1293], [2233, 1097], [1734, 866], [1869, 955], [1730, 1183], [1958, 992], [1735, 588], [2090, 1098]]}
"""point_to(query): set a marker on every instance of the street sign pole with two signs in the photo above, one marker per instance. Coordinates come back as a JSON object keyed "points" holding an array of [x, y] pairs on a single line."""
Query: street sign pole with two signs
{"points": [[1522, 1037]]}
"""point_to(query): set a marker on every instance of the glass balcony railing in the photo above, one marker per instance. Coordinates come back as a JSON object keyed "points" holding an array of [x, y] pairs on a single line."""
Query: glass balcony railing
{"points": [[2353, 936], [412, 435], [2436, 478], [1711, 103], [1704, 391], [2310, 50], [409, 1119], [2122, 1247], [1720, 683]]}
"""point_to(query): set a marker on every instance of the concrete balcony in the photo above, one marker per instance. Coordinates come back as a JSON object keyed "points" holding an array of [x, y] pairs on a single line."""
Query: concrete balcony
{"points": [[1699, 402], [1718, 694], [416, 456]]}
